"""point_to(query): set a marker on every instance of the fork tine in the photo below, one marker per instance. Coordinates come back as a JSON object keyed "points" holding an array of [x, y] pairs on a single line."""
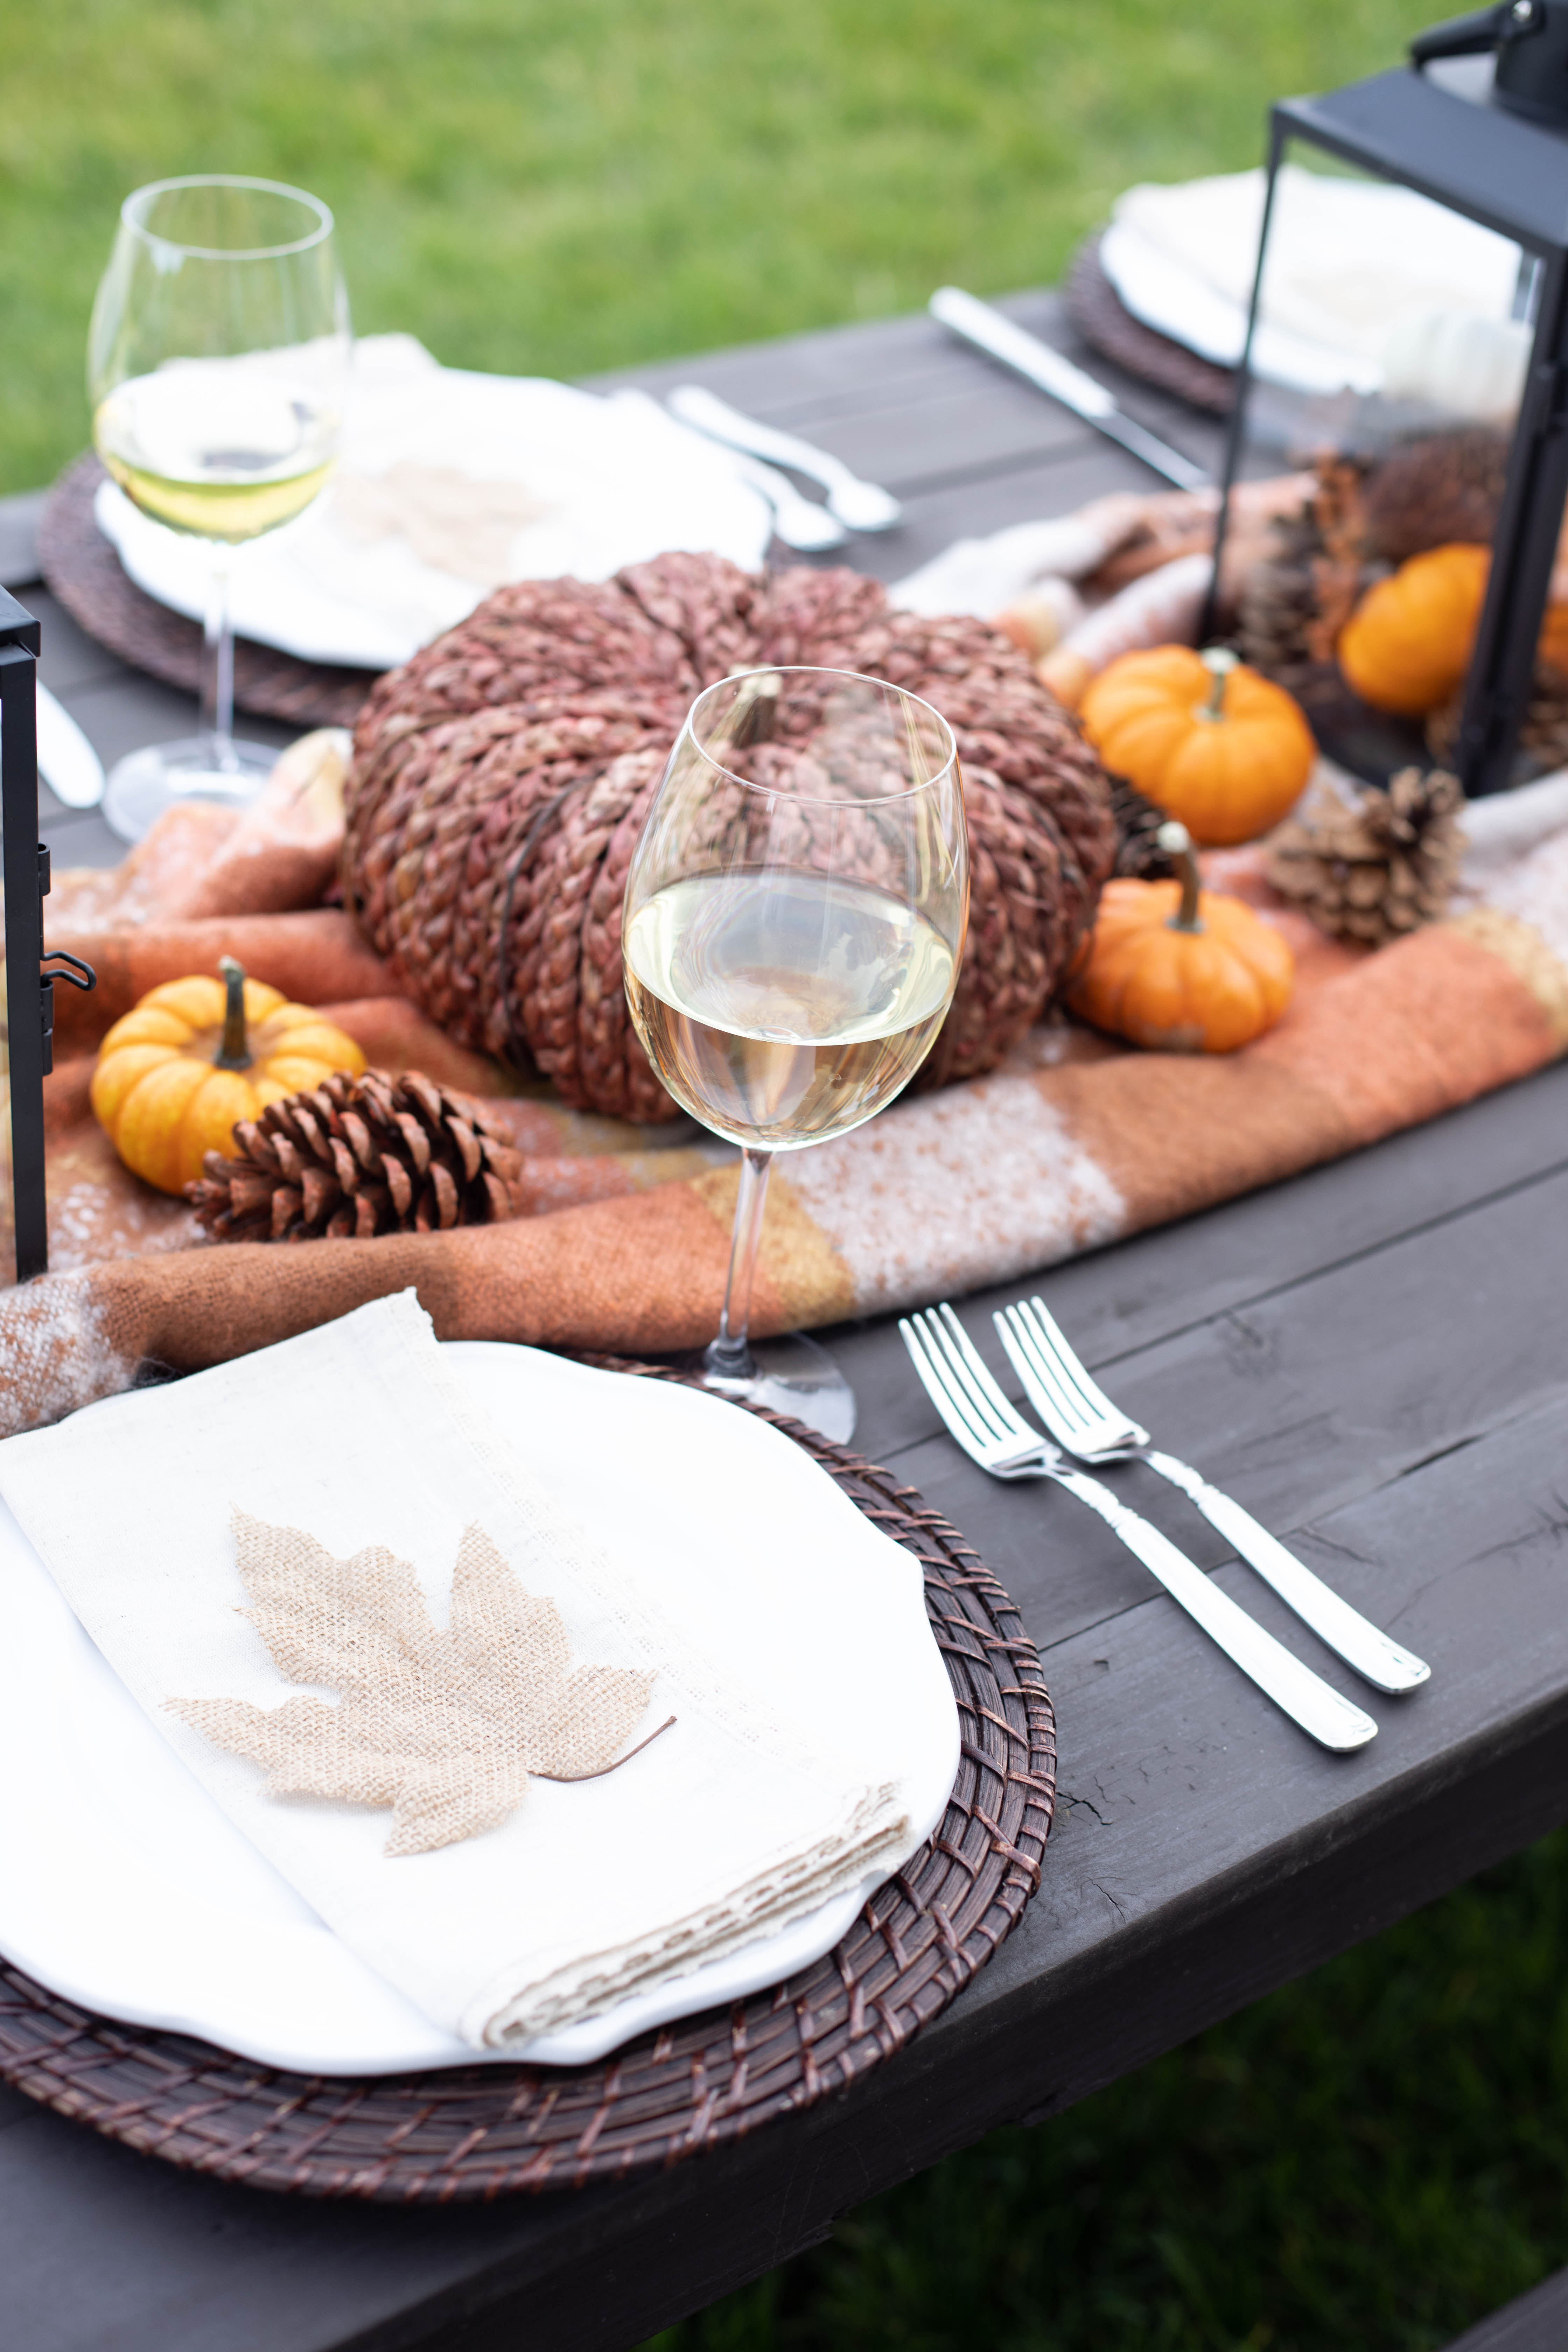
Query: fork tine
{"points": [[981, 1385], [956, 1374], [953, 1407], [1037, 1370], [1055, 1341]]}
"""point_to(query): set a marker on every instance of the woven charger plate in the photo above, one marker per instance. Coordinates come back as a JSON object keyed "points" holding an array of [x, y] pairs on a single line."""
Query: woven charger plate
{"points": [[84, 572], [1103, 319], [484, 2131]]}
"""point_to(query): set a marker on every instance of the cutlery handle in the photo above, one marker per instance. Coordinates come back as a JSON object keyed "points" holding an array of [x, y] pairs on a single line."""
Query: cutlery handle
{"points": [[67, 761], [796, 521], [1310, 1701], [694, 405], [1000, 338], [1361, 1644]]}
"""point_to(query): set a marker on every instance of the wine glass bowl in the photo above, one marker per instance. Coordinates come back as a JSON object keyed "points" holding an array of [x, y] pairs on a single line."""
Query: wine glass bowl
{"points": [[217, 367], [793, 932]]}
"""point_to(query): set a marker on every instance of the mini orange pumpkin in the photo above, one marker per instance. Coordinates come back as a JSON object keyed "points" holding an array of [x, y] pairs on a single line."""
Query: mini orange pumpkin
{"points": [[1219, 749], [1180, 968], [194, 1056], [1407, 645]]}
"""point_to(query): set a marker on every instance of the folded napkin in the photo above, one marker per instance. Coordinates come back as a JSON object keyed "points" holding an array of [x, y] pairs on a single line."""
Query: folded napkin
{"points": [[449, 484], [339, 1513], [1369, 286]]}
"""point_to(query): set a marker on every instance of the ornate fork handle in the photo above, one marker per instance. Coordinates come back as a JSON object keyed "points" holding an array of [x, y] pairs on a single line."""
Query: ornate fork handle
{"points": [[1310, 1701], [1361, 1644]]}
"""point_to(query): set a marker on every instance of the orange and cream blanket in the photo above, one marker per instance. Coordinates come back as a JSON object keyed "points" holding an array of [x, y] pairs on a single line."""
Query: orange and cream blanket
{"points": [[1073, 1144]]}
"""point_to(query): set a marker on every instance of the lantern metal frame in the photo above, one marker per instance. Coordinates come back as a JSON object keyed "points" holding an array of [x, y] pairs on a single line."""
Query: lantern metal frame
{"points": [[28, 1001], [1510, 174], [29, 984]]}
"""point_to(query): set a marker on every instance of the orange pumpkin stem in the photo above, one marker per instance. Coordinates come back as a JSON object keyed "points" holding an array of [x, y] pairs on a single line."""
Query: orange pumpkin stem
{"points": [[1219, 661], [234, 1052], [1177, 842]]}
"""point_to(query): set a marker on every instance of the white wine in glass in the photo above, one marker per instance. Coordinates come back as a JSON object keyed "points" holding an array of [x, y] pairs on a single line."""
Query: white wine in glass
{"points": [[794, 926], [217, 366]]}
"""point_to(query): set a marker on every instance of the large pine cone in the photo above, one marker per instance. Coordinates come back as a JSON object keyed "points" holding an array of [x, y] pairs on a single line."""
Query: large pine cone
{"points": [[501, 780], [360, 1156]]}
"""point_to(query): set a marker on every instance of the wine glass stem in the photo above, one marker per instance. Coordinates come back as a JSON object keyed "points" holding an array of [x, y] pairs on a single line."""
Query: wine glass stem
{"points": [[217, 667], [729, 1356]]}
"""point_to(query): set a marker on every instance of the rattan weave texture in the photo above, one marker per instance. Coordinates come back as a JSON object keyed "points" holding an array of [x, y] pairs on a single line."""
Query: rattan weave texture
{"points": [[83, 571], [481, 2132], [1103, 320]]}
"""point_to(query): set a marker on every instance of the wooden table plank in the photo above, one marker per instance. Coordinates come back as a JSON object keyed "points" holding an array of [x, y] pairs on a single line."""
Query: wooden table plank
{"points": [[1297, 1402], [1198, 1865], [1206, 1852], [1176, 1278], [1220, 1851], [1537, 2322]]}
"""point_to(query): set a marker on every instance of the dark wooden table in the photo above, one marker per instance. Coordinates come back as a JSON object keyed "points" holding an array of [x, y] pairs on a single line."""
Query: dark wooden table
{"points": [[1373, 1358]]}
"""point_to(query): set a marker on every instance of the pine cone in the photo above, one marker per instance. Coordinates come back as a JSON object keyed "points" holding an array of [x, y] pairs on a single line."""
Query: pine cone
{"points": [[1294, 603], [358, 1157], [1377, 870], [1433, 489], [1138, 858]]}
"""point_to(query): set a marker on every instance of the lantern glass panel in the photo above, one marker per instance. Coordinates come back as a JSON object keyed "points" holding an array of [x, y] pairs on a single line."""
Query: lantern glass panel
{"points": [[1391, 344]]}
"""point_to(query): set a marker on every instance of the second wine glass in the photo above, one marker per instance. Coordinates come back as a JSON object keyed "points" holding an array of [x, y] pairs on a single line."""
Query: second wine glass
{"points": [[793, 928], [217, 366]]}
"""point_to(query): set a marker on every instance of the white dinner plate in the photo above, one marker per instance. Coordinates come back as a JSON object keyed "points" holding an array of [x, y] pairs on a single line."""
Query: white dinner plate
{"points": [[125, 1887], [612, 480]]}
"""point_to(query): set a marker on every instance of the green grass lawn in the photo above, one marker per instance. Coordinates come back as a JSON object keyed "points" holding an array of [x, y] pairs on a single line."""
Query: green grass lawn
{"points": [[1370, 2159], [561, 185]]}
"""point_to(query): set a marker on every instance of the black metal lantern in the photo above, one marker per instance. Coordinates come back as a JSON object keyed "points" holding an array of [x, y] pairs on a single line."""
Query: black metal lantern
{"points": [[1459, 414], [27, 1014]]}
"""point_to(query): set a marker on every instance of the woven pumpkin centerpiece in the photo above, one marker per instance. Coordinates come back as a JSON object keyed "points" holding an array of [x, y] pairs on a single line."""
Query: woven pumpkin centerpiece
{"points": [[501, 780]]}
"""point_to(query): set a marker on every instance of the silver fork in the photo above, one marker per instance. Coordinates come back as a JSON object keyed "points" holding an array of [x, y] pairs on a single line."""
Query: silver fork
{"points": [[996, 1436], [1083, 1418], [797, 522]]}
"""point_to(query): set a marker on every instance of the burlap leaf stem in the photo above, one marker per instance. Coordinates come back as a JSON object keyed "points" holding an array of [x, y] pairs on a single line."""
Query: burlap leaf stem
{"points": [[446, 1728]]}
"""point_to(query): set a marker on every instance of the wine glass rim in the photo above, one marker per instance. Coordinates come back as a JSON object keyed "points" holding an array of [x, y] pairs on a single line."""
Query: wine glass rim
{"points": [[318, 235], [822, 669]]}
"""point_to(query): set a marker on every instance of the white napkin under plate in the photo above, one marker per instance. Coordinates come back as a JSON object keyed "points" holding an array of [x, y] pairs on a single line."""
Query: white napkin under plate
{"points": [[762, 1801], [451, 483], [1369, 288]]}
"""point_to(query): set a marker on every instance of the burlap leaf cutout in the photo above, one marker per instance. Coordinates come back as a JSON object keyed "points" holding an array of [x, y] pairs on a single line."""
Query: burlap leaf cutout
{"points": [[445, 1728]]}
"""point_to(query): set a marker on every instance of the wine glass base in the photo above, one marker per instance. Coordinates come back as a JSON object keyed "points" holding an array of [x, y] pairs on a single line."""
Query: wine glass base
{"points": [[792, 1375], [144, 784]]}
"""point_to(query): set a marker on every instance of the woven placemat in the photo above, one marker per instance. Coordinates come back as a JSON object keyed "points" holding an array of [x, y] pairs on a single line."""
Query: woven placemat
{"points": [[484, 2131], [81, 568], [1103, 319]]}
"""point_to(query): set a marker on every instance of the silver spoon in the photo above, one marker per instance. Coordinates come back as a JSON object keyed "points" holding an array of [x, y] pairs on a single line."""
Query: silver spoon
{"points": [[862, 505]]}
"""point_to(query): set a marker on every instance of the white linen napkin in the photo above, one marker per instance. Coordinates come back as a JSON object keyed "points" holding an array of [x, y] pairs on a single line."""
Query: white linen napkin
{"points": [[748, 1811], [1369, 286], [450, 483]]}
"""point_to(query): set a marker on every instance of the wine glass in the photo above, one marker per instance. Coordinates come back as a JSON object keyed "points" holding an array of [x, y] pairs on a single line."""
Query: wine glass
{"points": [[217, 367], [794, 926]]}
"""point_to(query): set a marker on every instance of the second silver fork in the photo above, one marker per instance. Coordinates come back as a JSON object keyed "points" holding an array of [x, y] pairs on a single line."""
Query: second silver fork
{"points": [[1083, 1418], [993, 1434]]}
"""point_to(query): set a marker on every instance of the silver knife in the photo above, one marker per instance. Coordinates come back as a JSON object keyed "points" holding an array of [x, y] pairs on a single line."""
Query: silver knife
{"points": [[976, 322], [67, 761]]}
